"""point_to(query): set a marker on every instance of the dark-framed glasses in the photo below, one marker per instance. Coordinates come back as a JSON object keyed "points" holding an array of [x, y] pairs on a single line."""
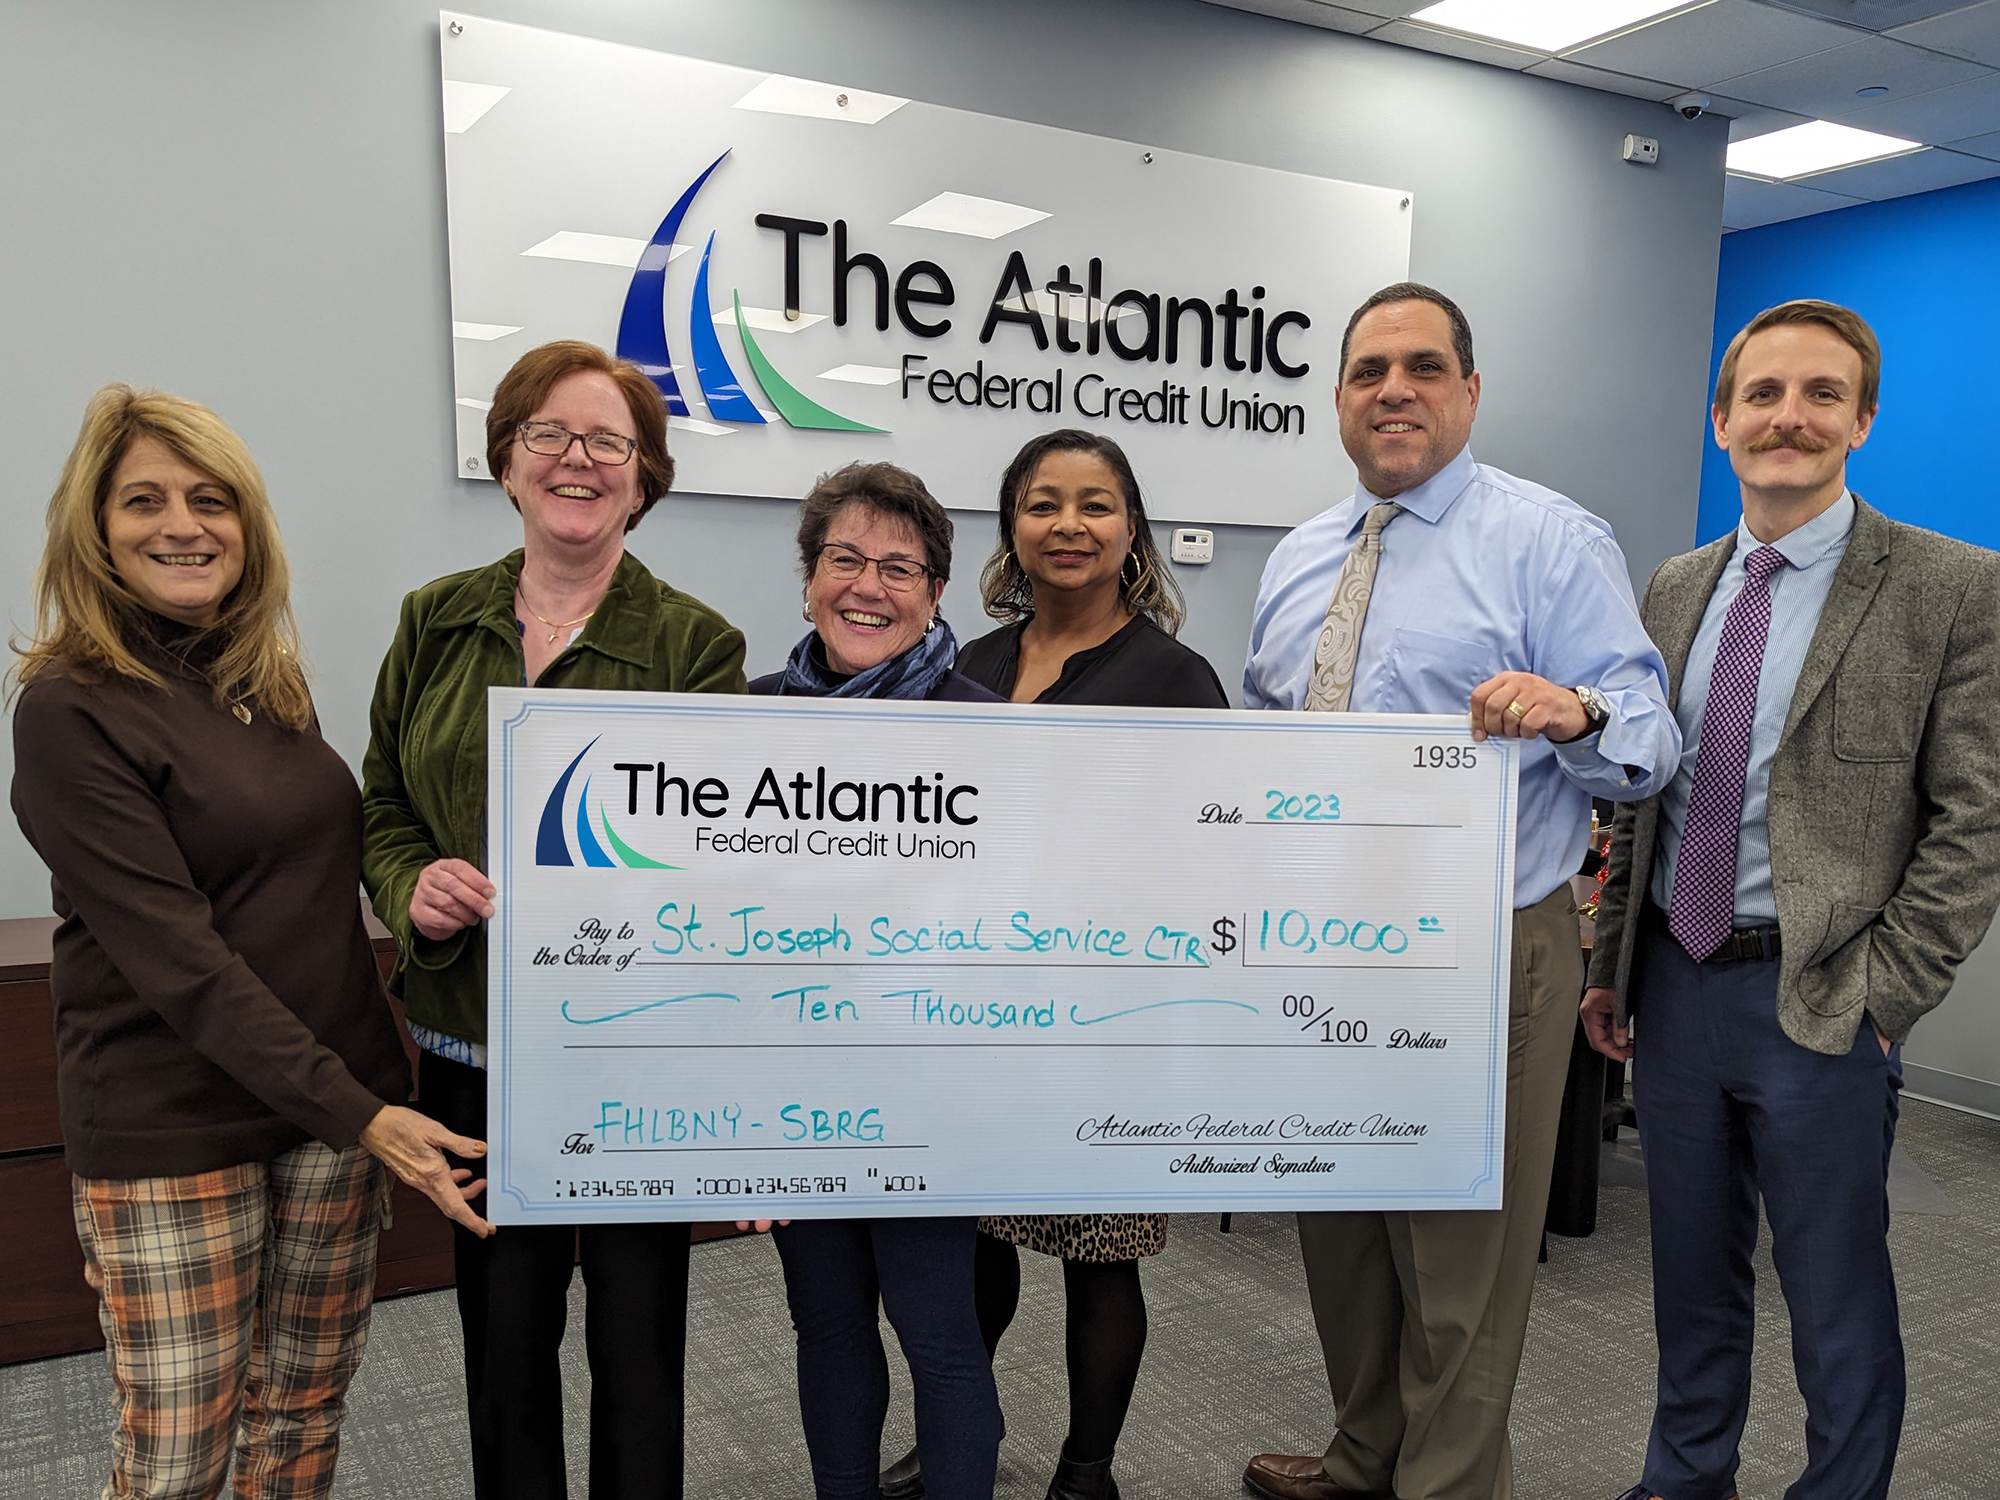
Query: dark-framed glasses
{"points": [[844, 565], [552, 440]]}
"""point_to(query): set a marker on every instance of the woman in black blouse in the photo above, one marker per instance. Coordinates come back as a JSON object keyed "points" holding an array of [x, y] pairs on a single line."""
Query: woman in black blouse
{"points": [[1091, 613], [1091, 610]]}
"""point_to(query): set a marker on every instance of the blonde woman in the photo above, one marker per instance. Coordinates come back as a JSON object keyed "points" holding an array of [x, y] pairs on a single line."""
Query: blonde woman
{"points": [[227, 1067]]}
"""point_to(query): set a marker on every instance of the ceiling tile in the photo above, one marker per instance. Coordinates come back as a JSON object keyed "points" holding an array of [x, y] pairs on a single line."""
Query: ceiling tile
{"points": [[1824, 84], [1980, 145], [1747, 119], [1973, 32], [1451, 44], [1721, 40], [1952, 114], [1919, 172], [1748, 202], [1599, 78], [1309, 12], [1873, 15]]}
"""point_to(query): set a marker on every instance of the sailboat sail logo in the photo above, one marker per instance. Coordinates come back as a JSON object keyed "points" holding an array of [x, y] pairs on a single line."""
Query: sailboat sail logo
{"points": [[642, 338], [552, 841]]}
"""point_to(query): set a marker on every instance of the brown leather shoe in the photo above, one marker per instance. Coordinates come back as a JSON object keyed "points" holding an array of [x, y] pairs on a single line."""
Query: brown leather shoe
{"points": [[1283, 1476]]}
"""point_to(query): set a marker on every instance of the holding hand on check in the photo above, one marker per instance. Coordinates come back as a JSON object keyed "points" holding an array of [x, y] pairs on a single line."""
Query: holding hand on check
{"points": [[875, 549], [1522, 706], [1434, 589], [578, 441]]}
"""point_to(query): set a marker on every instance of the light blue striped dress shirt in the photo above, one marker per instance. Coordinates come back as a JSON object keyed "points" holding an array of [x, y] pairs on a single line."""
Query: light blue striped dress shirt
{"points": [[1485, 573], [1798, 594]]}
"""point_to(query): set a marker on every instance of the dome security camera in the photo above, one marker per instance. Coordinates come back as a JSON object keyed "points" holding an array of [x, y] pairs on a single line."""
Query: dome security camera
{"points": [[1690, 106]]}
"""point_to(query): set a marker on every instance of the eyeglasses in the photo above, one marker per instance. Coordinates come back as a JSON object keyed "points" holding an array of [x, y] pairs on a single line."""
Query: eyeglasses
{"points": [[845, 565], [552, 440]]}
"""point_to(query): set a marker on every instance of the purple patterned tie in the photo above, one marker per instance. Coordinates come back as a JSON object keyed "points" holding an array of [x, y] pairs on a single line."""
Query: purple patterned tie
{"points": [[1703, 909]]}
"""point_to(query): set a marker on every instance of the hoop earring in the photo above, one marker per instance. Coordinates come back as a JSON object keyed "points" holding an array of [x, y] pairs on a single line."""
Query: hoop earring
{"points": [[1140, 573]]}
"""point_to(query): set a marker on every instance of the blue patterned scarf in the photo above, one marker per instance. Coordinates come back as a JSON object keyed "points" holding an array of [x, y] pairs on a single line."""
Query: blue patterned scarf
{"points": [[914, 674]]}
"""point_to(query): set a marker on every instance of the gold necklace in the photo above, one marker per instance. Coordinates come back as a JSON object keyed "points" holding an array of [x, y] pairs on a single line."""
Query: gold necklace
{"points": [[556, 627]]}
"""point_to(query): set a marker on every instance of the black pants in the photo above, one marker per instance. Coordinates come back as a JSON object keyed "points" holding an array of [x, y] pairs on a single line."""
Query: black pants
{"points": [[513, 1301], [919, 1272], [1731, 1111]]}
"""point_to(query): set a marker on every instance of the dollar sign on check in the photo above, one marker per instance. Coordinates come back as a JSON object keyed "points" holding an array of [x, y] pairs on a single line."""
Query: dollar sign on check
{"points": [[1225, 935]]}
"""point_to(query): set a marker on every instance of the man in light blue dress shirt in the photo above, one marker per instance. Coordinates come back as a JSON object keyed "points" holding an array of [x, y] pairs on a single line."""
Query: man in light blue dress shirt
{"points": [[1494, 596], [1772, 925]]}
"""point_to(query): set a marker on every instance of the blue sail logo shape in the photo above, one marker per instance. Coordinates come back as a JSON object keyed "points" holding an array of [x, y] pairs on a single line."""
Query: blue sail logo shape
{"points": [[552, 845], [642, 338]]}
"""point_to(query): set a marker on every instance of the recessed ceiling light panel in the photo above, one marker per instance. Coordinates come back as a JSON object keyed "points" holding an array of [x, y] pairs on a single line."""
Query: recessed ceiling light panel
{"points": [[1816, 146], [1545, 25]]}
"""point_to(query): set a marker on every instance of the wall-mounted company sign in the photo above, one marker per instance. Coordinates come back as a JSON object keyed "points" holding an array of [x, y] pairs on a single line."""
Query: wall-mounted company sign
{"points": [[813, 274]]}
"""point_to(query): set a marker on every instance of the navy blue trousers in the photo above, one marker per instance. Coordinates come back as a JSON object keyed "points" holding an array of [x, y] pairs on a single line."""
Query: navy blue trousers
{"points": [[1730, 1107], [921, 1270]]}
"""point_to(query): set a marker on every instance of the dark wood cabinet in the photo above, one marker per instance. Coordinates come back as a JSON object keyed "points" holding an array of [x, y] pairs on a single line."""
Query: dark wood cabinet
{"points": [[46, 1308]]}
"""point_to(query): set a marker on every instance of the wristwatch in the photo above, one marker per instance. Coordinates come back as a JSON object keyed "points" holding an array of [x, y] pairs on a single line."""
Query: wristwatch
{"points": [[1596, 707]]}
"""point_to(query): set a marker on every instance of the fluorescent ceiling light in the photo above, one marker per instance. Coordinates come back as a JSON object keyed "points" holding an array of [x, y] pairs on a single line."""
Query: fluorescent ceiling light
{"points": [[695, 424], [962, 213], [465, 103], [1816, 146], [769, 319], [600, 249], [1545, 25], [779, 95], [861, 374]]}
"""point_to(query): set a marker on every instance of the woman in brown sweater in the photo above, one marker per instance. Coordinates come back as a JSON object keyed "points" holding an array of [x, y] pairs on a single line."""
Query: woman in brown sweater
{"points": [[226, 1064]]}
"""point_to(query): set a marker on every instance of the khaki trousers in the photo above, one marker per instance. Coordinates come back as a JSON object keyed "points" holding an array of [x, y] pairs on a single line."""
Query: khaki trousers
{"points": [[1422, 1315]]}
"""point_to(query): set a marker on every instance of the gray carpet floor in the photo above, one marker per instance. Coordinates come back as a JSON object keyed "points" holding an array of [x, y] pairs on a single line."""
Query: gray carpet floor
{"points": [[1232, 1367]]}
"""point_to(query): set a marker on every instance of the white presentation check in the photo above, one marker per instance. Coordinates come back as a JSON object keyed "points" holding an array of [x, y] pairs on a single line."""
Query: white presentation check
{"points": [[785, 957]]}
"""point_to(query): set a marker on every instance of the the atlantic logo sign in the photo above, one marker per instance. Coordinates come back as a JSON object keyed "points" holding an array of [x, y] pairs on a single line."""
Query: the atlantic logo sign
{"points": [[552, 841], [811, 273], [1135, 325], [642, 338]]}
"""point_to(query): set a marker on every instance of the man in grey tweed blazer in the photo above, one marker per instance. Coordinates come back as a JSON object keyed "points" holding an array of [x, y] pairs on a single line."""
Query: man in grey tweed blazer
{"points": [[1776, 920]]}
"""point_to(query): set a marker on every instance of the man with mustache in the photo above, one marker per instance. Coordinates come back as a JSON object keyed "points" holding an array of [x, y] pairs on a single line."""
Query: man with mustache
{"points": [[1442, 586], [1777, 919]]}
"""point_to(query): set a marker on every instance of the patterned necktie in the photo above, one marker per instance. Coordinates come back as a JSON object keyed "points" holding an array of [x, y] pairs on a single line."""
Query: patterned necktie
{"points": [[1340, 637], [1703, 904]]}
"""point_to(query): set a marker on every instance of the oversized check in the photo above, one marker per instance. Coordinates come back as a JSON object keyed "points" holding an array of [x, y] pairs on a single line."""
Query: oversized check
{"points": [[786, 957]]}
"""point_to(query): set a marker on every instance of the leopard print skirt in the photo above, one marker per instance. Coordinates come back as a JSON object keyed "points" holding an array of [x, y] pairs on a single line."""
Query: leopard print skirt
{"points": [[1089, 1237]]}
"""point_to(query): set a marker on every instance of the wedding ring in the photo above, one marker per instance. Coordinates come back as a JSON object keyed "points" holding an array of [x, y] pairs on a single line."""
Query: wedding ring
{"points": [[1516, 710]]}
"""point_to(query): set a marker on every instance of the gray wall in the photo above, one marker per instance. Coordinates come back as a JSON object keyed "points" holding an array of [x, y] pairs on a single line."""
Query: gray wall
{"points": [[244, 203]]}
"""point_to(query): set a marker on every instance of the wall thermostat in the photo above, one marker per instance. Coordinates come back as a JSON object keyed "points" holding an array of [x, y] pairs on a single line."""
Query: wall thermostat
{"points": [[1192, 545], [1642, 149]]}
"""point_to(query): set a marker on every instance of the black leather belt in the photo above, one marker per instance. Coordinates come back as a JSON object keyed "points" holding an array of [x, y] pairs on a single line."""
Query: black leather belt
{"points": [[1744, 944], [1747, 943]]}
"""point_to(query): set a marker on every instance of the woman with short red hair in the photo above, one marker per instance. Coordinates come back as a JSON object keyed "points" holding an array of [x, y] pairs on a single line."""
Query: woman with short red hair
{"points": [[578, 442]]}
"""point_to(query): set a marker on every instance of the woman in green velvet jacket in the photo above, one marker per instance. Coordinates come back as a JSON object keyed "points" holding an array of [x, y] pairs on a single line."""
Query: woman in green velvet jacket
{"points": [[578, 440]]}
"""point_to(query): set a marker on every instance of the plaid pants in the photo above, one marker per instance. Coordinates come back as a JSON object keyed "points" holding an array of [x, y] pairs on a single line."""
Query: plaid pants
{"points": [[235, 1310]]}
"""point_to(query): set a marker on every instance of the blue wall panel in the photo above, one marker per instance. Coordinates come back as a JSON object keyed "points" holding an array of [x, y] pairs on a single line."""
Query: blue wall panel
{"points": [[1925, 272]]}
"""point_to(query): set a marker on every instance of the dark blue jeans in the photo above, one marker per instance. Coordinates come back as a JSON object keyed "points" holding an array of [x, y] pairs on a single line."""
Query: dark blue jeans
{"points": [[1729, 1107], [921, 1270]]}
